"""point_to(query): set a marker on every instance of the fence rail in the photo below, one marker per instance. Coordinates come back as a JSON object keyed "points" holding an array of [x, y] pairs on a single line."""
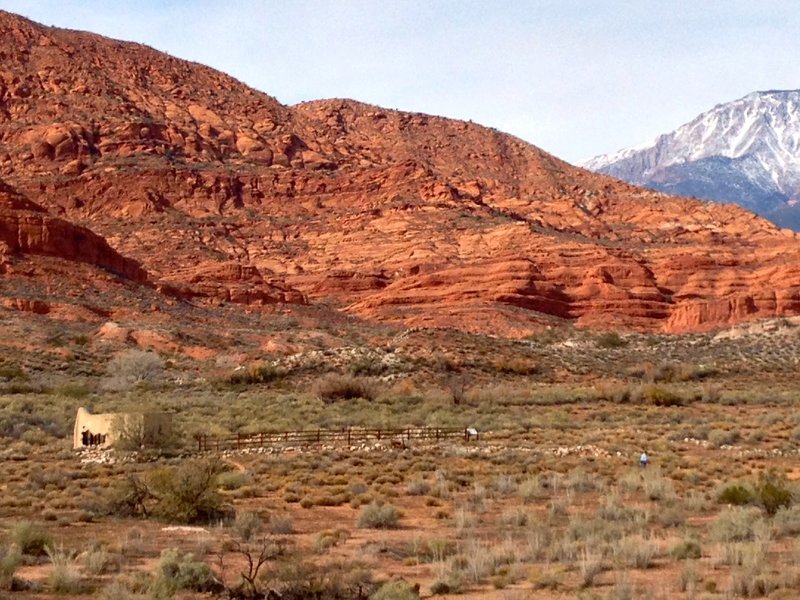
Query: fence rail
{"points": [[262, 439]]}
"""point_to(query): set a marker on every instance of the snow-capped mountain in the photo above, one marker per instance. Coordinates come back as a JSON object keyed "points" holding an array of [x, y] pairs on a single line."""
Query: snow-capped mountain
{"points": [[745, 152]]}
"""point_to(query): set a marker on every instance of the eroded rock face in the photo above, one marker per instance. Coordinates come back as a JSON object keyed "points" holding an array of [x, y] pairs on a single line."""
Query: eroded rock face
{"points": [[224, 195], [26, 228], [230, 282]]}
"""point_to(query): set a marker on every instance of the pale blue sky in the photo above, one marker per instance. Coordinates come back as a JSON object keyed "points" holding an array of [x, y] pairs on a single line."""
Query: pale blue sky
{"points": [[576, 78]]}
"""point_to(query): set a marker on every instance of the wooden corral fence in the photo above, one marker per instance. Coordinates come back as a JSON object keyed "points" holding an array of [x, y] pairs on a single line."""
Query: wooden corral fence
{"points": [[262, 439]]}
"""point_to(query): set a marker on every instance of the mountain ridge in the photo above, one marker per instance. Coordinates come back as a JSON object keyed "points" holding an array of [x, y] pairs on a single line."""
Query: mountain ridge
{"points": [[754, 139], [225, 196]]}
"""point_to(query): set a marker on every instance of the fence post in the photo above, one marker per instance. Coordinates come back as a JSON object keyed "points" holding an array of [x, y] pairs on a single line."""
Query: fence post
{"points": [[348, 436], [319, 433]]}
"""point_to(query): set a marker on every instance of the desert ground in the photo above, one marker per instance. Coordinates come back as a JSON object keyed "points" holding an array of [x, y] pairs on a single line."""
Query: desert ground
{"points": [[548, 502]]}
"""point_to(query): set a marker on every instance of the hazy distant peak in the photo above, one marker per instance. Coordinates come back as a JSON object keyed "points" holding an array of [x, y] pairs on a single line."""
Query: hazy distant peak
{"points": [[758, 136]]}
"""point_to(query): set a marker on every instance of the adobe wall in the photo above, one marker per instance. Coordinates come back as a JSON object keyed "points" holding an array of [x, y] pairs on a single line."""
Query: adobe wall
{"points": [[99, 431]]}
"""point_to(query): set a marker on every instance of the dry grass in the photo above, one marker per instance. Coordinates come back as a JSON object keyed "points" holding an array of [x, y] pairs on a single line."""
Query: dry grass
{"points": [[550, 501]]}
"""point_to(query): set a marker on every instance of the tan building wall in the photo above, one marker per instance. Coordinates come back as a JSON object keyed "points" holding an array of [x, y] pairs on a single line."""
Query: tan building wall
{"points": [[101, 430]]}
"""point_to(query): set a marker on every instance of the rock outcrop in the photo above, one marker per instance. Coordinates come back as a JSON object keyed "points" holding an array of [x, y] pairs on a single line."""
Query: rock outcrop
{"points": [[25, 227], [222, 194]]}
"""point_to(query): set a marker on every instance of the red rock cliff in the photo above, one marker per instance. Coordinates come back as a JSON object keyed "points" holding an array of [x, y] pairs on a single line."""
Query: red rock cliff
{"points": [[389, 215]]}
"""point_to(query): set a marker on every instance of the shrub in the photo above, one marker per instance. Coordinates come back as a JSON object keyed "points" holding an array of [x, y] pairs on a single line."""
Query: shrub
{"points": [[97, 561], [187, 493], [589, 566], [30, 539], [9, 371], [736, 524], [610, 339], [367, 365], [74, 390], [532, 489], [451, 584], [10, 559], [635, 552], [685, 550], [786, 521], [121, 590], [183, 494], [281, 525], [247, 525], [661, 396], [64, 577], [721, 437], [771, 493], [232, 480], [418, 487], [130, 498], [396, 590], [516, 366], [182, 572], [256, 373], [378, 516], [326, 540], [688, 577], [334, 387], [736, 494], [331, 581], [655, 486], [134, 367]]}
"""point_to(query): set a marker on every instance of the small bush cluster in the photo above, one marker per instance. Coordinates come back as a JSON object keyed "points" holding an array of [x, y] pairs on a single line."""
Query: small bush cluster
{"points": [[515, 366], [64, 577], [334, 387], [30, 539], [184, 494], [182, 572], [690, 549], [247, 526], [737, 495], [298, 580], [134, 367], [668, 372], [770, 492], [367, 366], [610, 339], [326, 540], [256, 373], [10, 560], [10, 371], [660, 396], [379, 516], [396, 590]]}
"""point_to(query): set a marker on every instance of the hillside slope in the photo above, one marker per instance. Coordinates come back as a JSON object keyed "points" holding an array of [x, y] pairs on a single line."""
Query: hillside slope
{"points": [[222, 194]]}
